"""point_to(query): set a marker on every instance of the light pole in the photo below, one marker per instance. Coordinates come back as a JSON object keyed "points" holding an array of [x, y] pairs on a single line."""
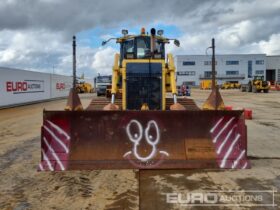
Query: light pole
{"points": [[214, 101], [74, 62]]}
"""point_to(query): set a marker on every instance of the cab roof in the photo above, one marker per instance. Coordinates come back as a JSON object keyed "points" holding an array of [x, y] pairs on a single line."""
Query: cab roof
{"points": [[127, 37]]}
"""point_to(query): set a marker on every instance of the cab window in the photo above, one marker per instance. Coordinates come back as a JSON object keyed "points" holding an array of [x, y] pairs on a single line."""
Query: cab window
{"points": [[159, 49], [127, 49], [140, 48], [129, 46], [143, 47]]}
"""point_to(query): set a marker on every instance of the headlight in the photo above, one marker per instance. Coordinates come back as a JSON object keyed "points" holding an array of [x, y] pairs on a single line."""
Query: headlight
{"points": [[124, 32]]}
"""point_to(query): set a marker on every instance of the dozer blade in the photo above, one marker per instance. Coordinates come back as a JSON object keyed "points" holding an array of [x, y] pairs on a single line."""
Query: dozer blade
{"points": [[99, 103], [73, 101], [77, 140]]}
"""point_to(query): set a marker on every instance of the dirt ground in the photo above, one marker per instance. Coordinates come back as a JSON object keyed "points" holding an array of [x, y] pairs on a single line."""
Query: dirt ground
{"points": [[22, 187]]}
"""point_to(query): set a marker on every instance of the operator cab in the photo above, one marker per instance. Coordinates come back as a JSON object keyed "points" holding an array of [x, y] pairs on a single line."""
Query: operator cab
{"points": [[143, 46], [258, 77], [139, 47], [143, 57]]}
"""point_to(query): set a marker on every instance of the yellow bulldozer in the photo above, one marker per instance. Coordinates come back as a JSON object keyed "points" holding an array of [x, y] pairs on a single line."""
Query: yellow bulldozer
{"points": [[144, 129], [231, 85], [257, 85], [84, 87]]}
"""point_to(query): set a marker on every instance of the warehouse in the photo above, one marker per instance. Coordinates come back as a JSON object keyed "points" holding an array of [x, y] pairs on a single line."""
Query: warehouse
{"points": [[273, 68], [191, 69]]}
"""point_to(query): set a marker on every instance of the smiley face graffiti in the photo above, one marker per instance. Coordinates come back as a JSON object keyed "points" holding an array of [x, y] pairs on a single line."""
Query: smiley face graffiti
{"points": [[151, 138]]}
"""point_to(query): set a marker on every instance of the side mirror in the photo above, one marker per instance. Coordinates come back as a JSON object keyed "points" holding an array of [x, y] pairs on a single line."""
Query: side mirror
{"points": [[103, 43], [177, 43]]}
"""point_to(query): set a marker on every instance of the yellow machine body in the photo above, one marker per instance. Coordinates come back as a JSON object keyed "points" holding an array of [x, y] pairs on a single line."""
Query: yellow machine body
{"points": [[146, 128], [84, 87], [231, 85], [167, 77], [206, 84]]}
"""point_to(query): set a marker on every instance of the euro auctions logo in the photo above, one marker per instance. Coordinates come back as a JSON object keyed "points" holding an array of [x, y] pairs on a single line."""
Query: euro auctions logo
{"points": [[192, 198], [264, 198], [60, 86], [26, 86], [63, 86]]}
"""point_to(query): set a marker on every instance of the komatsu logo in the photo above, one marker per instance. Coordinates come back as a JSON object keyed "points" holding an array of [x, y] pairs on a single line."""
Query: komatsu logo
{"points": [[26, 86]]}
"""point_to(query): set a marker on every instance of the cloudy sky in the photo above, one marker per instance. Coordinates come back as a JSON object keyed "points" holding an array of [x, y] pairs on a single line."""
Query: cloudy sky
{"points": [[37, 34]]}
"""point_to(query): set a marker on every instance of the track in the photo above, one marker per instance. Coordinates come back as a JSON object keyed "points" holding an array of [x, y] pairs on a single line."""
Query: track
{"points": [[99, 102], [22, 187]]}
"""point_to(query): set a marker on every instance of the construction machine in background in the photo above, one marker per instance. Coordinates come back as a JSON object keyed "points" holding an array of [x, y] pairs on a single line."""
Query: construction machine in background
{"points": [[257, 85], [145, 129], [206, 84], [84, 87], [231, 85]]}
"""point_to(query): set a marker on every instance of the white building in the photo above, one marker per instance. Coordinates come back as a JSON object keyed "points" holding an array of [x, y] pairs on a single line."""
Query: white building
{"points": [[235, 67], [273, 68]]}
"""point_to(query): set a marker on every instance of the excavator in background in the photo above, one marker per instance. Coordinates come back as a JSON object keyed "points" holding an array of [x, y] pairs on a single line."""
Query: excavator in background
{"points": [[145, 128]]}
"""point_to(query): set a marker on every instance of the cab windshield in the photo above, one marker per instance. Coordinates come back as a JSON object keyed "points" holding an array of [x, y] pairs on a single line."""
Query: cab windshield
{"points": [[103, 79], [258, 78], [143, 47], [140, 48]]}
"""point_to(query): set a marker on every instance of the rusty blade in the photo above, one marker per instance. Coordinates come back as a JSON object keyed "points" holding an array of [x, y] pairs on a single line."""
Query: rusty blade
{"points": [[146, 140], [73, 101], [99, 103], [214, 101]]}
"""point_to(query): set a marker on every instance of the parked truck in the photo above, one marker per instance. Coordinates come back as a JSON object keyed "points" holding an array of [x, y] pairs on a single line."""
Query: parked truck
{"points": [[101, 83]]}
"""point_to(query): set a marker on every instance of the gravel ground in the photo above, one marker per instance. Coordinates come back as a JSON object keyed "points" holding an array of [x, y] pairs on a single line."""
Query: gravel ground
{"points": [[22, 187]]}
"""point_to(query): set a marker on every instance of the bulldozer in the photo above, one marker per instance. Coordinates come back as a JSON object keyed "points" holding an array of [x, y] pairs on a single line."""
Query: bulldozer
{"points": [[257, 85], [230, 85], [148, 127], [84, 87]]}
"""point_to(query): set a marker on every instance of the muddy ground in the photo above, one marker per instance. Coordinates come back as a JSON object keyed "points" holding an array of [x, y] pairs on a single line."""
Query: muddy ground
{"points": [[22, 187]]}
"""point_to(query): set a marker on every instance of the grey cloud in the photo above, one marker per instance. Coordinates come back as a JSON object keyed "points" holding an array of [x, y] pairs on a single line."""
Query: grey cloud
{"points": [[75, 15], [192, 16], [47, 27]]}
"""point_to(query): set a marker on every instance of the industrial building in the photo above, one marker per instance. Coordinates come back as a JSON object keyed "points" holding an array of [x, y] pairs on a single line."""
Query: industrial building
{"points": [[191, 69]]}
